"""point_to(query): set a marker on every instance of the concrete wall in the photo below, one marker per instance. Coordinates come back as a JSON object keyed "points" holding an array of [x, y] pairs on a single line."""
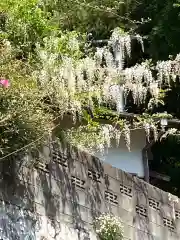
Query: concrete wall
{"points": [[59, 200], [128, 161]]}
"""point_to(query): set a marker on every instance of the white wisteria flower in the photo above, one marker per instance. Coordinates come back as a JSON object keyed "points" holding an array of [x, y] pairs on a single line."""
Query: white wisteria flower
{"points": [[101, 79]]}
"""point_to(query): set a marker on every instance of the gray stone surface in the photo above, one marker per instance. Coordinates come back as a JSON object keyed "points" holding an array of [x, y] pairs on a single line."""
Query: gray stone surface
{"points": [[60, 200]]}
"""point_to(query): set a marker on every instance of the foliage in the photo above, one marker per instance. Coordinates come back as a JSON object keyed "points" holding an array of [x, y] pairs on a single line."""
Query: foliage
{"points": [[43, 55], [108, 227], [163, 29], [98, 18], [22, 118], [96, 137], [24, 23], [162, 115], [166, 161], [27, 22]]}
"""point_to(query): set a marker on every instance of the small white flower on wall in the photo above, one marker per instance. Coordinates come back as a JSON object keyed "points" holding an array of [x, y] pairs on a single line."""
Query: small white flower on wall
{"points": [[108, 227]]}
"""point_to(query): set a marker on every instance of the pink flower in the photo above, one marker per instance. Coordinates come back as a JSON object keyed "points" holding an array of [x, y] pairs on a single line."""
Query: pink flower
{"points": [[5, 83]]}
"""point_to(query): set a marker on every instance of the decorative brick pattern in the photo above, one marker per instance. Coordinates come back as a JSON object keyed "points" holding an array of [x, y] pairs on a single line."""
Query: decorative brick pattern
{"points": [[111, 197], [126, 190], [77, 182], [95, 176], [154, 204], [44, 167], [177, 214], [168, 223], [105, 190], [142, 211], [59, 158]]}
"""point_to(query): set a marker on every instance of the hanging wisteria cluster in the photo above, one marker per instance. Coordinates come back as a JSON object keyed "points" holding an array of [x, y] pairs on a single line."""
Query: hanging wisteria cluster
{"points": [[72, 84], [168, 70], [67, 79], [98, 138]]}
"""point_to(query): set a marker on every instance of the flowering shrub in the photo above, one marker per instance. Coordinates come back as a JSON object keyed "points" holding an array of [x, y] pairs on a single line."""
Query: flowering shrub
{"points": [[51, 75], [108, 227], [22, 116], [5, 83]]}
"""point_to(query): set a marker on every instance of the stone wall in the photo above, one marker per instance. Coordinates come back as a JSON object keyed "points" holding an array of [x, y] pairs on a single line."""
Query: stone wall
{"points": [[58, 199]]}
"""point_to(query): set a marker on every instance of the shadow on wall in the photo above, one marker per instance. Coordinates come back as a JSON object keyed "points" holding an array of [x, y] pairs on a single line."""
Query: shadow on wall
{"points": [[27, 195], [17, 218], [69, 186]]}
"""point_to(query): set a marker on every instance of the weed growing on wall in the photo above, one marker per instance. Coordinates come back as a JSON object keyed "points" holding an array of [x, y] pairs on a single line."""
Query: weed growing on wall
{"points": [[108, 227]]}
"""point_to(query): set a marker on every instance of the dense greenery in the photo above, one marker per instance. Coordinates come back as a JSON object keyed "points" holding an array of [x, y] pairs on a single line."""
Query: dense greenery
{"points": [[54, 70], [163, 30], [166, 161], [35, 38], [162, 43]]}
